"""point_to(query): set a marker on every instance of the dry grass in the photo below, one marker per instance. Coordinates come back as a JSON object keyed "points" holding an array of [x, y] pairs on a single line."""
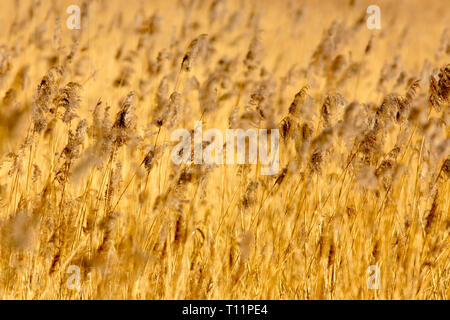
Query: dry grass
{"points": [[86, 177]]}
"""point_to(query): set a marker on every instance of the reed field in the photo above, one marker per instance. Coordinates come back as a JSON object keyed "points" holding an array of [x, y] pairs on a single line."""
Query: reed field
{"points": [[92, 206]]}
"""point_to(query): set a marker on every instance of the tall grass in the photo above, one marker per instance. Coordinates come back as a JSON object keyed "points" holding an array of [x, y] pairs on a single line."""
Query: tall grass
{"points": [[86, 176]]}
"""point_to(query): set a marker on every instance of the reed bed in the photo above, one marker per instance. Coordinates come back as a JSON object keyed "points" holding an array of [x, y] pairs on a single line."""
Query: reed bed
{"points": [[86, 177]]}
